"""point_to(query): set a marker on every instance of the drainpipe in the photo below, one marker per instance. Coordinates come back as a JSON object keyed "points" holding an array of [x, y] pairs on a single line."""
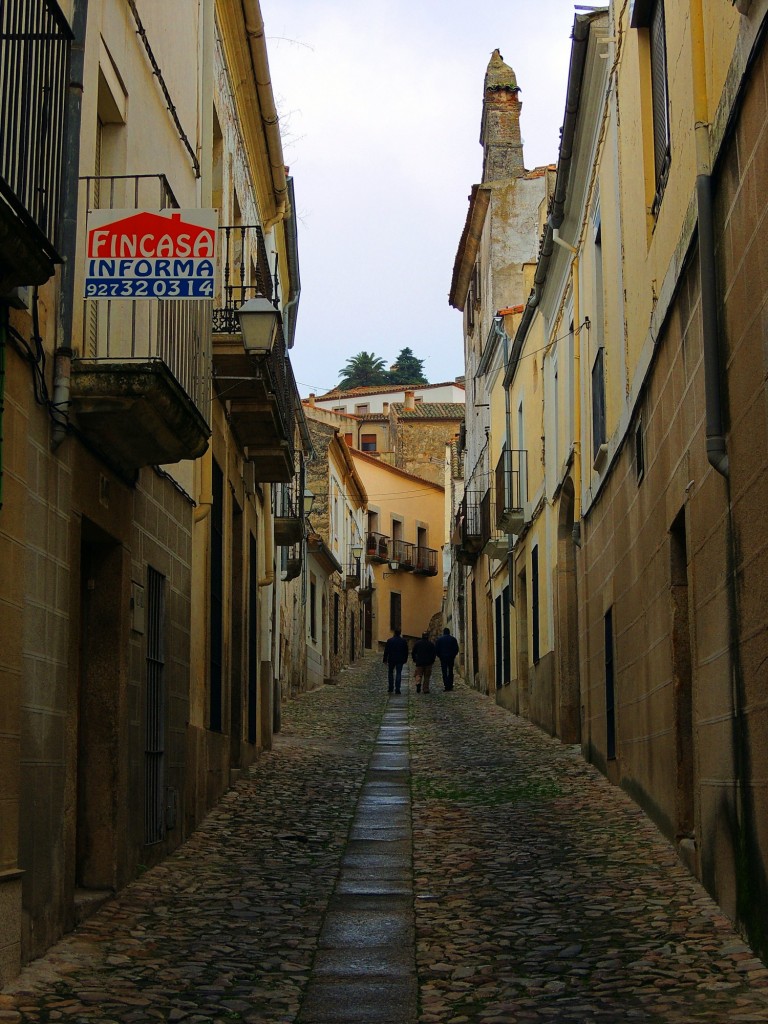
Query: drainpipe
{"points": [[716, 449], [576, 385], [254, 28], [68, 224]]}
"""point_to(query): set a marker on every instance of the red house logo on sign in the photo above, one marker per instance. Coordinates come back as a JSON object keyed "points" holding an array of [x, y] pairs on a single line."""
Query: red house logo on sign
{"points": [[140, 254]]}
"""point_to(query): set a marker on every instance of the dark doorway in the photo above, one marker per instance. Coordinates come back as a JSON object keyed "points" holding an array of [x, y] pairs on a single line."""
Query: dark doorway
{"points": [[253, 647], [154, 751], [505, 637], [610, 696], [682, 677], [473, 627], [568, 711], [351, 636], [102, 642], [216, 601], [522, 644], [499, 660], [236, 641]]}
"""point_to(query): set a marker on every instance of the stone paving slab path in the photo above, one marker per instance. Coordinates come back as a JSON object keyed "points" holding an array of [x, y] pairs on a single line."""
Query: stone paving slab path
{"points": [[489, 875]]}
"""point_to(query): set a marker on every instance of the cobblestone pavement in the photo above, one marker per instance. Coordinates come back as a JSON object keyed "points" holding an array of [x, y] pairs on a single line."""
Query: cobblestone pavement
{"points": [[541, 893], [544, 894]]}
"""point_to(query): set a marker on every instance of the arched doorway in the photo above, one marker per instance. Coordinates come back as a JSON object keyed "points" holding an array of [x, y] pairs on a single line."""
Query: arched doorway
{"points": [[568, 711]]}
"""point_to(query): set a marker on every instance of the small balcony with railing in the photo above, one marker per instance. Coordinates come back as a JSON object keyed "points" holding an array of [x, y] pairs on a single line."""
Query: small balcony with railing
{"points": [[509, 490], [404, 553], [467, 534], [377, 547], [259, 390], [426, 562], [140, 387], [288, 508], [352, 574], [501, 508], [35, 40], [291, 561]]}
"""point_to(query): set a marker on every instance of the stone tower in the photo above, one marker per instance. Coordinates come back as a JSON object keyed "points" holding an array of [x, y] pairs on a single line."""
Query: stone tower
{"points": [[500, 129]]}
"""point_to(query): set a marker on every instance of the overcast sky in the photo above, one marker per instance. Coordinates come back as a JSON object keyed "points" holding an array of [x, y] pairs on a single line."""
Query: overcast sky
{"points": [[380, 106]]}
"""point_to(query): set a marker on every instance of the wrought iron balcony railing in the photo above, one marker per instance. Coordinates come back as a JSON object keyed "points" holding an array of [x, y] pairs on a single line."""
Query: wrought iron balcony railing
{"points": [[404, 553], [176, 332], [35, 40], [467, 532], [288, 507], [426, 562], [377, 547], [509, 491], [244, 274], [291, 561]]}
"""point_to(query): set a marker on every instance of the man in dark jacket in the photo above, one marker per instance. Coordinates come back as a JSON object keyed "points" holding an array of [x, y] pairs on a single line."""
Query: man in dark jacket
{"points": [[424, 655], [447, 648], [395, 656]]}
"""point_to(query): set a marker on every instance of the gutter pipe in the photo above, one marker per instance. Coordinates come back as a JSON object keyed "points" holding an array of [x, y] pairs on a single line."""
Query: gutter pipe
{"points": [[68, 225], [254, 28], [717, 453]]}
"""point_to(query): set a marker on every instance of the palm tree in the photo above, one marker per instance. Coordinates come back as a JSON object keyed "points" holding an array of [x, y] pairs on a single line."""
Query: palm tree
{"points": [[363, 370]]}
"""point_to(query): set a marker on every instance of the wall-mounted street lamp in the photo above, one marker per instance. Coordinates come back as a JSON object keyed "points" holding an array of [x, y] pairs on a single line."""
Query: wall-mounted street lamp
{"points": [[308, 500], [259, 323], [357, 551], [394, 565]]}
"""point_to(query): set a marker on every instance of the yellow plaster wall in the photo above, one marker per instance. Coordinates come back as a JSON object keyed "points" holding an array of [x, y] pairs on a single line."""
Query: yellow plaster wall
{"points": [[417, 503]]}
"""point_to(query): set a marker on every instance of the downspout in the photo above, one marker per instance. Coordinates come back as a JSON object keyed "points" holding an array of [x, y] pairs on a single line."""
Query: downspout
{"points": [[576, 385], [68, 225], [254, 28], [716, 450]]}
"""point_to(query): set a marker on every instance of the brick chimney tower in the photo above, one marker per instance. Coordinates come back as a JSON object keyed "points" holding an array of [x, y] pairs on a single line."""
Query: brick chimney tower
{"points": [[500, 128]]}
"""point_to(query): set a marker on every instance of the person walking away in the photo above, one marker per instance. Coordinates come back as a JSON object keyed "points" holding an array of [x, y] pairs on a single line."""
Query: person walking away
{"points": [[447, 648], [424, 655], [395, 656]]}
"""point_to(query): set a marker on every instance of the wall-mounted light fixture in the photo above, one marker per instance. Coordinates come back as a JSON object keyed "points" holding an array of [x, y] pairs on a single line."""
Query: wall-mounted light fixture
{"points": [[394, 565], [308, 500], [259, 322], [357, 550]]}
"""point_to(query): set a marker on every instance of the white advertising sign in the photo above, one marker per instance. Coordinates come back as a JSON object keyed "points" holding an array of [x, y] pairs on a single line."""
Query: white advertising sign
{"points": [[145, 254]]}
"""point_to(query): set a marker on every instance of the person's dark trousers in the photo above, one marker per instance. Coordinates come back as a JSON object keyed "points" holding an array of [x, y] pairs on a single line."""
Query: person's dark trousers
{"points": [[446, 667], [394, 674]]}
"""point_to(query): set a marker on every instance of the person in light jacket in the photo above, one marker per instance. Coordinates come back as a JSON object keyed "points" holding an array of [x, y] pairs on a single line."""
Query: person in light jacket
{"points": [[447, 648]]}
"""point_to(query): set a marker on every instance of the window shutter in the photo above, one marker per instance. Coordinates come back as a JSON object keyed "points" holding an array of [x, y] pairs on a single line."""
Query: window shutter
{"points": [[660, 95]]}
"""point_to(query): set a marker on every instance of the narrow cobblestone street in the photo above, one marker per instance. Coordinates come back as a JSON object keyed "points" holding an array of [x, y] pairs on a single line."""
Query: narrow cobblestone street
{"points": [[533, 889]]}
